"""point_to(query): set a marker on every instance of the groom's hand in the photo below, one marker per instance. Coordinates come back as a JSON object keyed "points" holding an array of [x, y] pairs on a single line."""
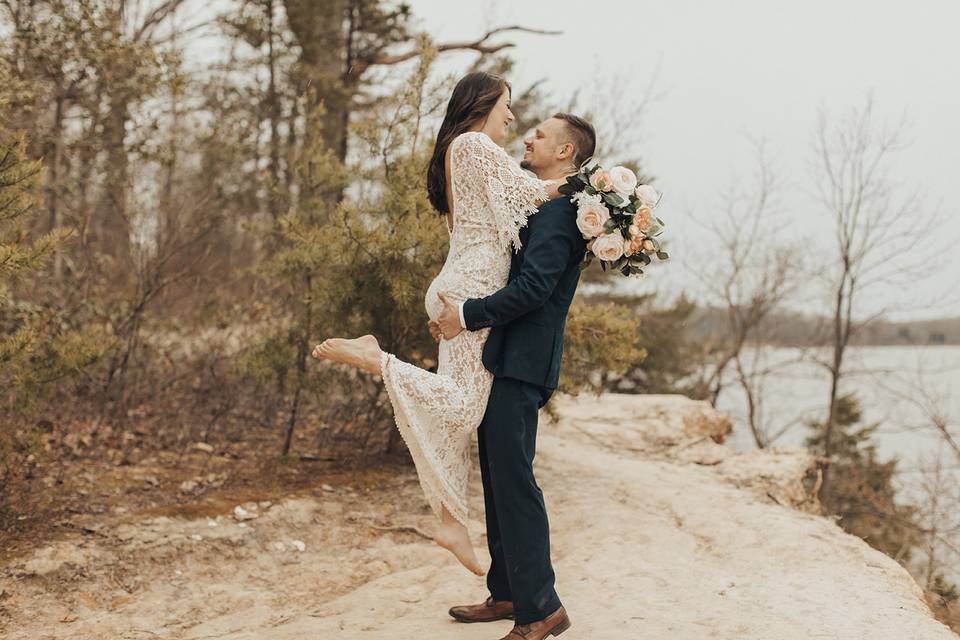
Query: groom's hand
{"points": [[449, 319], [435, 330]]}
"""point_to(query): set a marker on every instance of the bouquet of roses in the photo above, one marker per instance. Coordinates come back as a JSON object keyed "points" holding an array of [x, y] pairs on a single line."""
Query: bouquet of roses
{"points": [[615, 215]]}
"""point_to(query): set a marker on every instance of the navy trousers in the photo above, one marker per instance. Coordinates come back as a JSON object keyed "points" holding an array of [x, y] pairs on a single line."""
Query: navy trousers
{"points": [[518, 534]]}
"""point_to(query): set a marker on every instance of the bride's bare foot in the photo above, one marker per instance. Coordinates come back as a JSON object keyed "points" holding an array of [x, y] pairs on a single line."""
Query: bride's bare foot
{"points": [[363, 352], [452, 536]]}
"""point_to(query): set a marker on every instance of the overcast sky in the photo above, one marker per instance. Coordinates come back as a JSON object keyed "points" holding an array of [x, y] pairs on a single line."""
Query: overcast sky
{"points": [[757, 68]]}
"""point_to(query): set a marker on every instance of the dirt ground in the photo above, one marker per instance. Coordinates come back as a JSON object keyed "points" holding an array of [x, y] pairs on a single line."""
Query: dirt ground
{"points": [[657, 532]]}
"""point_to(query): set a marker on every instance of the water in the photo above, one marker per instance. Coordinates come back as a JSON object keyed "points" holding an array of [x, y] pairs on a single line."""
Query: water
{"points": [[898, 387]]}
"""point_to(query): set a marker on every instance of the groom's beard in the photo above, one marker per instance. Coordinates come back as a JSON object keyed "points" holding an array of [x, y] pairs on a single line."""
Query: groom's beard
{"points": [[526, 164]]}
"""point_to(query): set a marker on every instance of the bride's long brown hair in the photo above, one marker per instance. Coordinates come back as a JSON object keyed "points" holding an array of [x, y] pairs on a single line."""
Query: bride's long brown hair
{"points": [[471, 102]]}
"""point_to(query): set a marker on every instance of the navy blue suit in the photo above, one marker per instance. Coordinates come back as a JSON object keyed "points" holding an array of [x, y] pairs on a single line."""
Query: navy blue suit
{"points": [[523, 351]]}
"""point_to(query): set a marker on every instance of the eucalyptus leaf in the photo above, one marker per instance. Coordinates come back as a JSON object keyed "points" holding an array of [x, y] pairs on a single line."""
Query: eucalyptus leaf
{"points": [[612, 199]]}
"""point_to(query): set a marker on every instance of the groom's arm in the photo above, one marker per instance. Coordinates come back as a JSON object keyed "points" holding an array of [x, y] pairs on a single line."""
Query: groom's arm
{"points": [[552, 240]]}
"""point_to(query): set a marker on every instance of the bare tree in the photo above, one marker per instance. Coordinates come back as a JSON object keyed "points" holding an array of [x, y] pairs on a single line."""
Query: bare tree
{"points": [[875, 229], [938, 503], [749, 274]]}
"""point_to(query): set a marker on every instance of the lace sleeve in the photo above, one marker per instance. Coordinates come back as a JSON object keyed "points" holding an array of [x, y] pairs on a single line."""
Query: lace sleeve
{"points": [[512, 194]]}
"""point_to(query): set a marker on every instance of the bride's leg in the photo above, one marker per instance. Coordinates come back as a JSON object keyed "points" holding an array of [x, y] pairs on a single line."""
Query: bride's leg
{"points": [[453, 536], [362, 353]]}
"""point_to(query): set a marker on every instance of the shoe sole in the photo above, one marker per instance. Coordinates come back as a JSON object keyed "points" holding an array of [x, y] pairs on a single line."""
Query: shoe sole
{"points": [[469, 621], [560, 628]]}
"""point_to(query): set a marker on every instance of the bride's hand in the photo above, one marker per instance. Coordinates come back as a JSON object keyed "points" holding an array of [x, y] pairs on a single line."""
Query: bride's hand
{"points": [[435, 331]]}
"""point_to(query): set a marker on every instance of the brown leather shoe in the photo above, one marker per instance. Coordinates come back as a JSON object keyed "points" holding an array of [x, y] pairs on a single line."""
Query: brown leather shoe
{"points": [[487, 612], [553, 625]]}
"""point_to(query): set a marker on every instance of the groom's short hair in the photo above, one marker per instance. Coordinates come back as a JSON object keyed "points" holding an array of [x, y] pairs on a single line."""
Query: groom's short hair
{"points": [[582, 136]]}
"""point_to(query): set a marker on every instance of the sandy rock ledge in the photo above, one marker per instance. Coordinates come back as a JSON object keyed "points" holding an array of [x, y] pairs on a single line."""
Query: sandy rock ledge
{"points": [[657, 530]]}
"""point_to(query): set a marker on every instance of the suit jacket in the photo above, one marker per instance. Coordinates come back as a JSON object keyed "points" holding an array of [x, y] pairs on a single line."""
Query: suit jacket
{"points": [[529, 315]]}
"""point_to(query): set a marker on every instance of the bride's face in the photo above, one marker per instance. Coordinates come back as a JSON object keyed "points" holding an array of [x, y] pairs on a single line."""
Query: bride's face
{"points": [[499, 119]]}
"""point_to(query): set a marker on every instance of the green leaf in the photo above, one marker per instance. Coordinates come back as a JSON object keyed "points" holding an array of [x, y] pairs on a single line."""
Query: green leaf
{"points": [[662, 255], [612, 198]]}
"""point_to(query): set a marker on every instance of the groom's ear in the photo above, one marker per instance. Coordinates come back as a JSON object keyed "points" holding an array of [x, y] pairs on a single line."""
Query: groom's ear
{"points": [[565, 151]]}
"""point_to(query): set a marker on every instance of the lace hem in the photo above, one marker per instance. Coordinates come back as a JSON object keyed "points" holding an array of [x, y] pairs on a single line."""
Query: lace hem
{"points": [[437, 492], [512, 220]]}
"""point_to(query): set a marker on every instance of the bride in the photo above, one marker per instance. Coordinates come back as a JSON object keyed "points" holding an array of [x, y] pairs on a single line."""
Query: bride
{"points": [[486, 198]]}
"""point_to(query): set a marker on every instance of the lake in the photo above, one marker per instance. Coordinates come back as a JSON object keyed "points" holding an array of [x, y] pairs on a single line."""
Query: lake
{"points": [[894, 385]]}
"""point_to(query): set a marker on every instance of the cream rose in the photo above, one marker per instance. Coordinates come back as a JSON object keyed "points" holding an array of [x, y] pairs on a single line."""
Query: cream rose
{"points": [[629, 247], [608, 246], [643, 219], [648, 195], [591, 216], [624, 181], [600, 180]]}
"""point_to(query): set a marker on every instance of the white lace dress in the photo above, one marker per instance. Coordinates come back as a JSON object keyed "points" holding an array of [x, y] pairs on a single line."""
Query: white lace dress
{"points": [[437, 412]]}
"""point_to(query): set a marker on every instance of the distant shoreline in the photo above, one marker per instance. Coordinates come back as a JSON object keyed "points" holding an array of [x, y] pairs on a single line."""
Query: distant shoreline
{"points": [[791, 329]]}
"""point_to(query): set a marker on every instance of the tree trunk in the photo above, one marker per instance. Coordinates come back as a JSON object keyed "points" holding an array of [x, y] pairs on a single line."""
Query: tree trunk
{"points": [[274, 203], [112, 224], [322, 36]]}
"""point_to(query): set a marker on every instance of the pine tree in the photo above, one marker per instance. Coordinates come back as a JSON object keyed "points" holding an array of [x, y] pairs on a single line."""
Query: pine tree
{"points": [[34, 351], [862, 493]]}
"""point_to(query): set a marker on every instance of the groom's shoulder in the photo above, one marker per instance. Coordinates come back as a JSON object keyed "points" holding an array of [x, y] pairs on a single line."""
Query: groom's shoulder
{"points": [[558, 206], [559, 216], [558, 209]]}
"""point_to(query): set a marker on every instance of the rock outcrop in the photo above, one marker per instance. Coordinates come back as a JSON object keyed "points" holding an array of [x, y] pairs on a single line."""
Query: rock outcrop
{"points": [[658, 531]]}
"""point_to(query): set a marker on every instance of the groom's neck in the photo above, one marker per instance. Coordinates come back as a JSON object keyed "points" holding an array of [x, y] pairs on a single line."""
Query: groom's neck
{"points": [[553, 173]]}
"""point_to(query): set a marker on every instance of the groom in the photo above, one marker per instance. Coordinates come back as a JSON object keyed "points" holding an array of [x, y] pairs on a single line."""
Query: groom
{"points": [[523, 352]]}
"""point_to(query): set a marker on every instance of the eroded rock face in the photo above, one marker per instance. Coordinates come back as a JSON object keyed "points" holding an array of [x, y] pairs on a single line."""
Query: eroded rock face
{"points": [[648, 423], [687, 431], [790, 477]]}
